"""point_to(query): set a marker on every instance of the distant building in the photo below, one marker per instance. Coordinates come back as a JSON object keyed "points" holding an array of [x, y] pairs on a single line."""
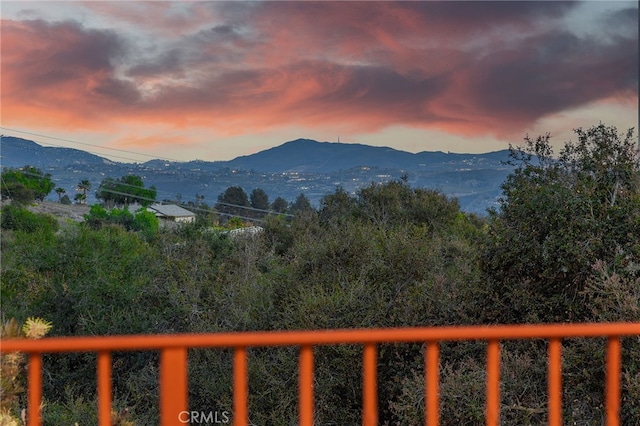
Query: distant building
{"points": [[171, 212]]}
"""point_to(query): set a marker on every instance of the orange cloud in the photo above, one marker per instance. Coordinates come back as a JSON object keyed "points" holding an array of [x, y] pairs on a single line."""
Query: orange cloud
{"points": [[360, 67]]}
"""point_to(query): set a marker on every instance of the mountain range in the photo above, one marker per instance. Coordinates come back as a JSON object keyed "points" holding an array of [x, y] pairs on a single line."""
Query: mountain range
{"points": [[300, 166]]}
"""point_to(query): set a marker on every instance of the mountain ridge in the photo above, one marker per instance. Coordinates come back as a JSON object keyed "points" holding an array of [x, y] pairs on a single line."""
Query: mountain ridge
{"points": [[287, 170], [308, 155], [299, 155]]}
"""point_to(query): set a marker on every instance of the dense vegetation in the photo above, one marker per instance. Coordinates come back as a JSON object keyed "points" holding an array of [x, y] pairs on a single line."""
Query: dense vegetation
{"points": [[125, 190], [563, 246], [25, 184]]}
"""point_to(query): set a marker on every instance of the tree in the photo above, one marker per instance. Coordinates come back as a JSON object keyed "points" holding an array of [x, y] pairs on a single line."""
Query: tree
{"points": [[125, 190], [25, 184], [84, 186], [302, 204], [557, 217], [60, 192], [232, 202], [80, 198], [259, 199], [142, 220], [279, 205], [337, 207]]}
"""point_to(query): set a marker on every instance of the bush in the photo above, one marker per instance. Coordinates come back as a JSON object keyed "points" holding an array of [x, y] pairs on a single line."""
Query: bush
{"points": [[558, 216], [17, 218], [143, 221]]}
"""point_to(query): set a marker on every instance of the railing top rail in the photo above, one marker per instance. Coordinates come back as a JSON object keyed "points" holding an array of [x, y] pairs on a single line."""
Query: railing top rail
{"points": [[318, 337]]}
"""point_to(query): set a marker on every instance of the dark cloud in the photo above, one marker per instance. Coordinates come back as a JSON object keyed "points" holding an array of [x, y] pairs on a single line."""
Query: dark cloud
{"points": [[627, 18], [372, 64], [553, 72], [42, 52], [64, 66], [120, 91]]}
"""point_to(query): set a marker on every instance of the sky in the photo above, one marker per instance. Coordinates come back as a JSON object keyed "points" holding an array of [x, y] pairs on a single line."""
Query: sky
{"points": [[217, 80]]}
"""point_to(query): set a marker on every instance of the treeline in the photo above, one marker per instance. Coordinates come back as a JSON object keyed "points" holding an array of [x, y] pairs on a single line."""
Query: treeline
{"points": [[562, 246]]}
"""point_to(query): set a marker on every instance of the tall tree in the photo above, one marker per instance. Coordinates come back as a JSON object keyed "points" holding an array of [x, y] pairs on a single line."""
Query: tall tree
{"points": [[279, 205], [125, 190], [60, 192], [84, 186], [233, 201], [259, 199], [301, 204]]}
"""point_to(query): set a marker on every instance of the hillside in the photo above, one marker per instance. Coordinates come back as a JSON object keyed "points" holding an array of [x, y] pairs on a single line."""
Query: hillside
{"points": [[300, 166], [306, 155], [16, 152]]}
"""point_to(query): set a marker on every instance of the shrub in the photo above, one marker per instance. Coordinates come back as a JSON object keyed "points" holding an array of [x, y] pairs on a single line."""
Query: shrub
{"points": [[18, 218]]}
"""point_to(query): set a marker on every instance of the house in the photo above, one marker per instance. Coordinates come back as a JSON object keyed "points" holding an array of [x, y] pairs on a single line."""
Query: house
{"points": [[171, 212]]}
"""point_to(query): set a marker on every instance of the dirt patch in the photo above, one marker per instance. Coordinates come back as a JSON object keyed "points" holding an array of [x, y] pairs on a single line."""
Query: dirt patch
{"points": [[63, 212]]}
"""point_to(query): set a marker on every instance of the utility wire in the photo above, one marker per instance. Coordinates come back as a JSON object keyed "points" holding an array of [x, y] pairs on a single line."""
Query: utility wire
{"points": [[88, 144], [126, 158], [111, 191]]}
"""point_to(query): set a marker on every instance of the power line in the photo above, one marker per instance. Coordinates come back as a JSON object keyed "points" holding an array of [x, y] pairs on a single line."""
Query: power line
{"points": [[138, 197], [166, 193], [88, 144]]}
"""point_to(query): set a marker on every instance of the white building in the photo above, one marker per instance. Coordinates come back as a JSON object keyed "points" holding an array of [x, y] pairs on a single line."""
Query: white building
{"points": [[172, 213]]}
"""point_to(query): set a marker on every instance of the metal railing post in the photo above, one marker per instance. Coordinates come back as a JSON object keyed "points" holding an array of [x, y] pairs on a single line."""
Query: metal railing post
{"points": [[173, 384], [431, 380], [240, 387], [493, 383], [104, 388], [555, 382], [613, 381], [35, 389], [306, 386], [370, 386]]}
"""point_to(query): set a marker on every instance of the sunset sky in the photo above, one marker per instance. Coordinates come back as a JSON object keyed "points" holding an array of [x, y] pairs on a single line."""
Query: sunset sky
{"points": [[215, 80]]}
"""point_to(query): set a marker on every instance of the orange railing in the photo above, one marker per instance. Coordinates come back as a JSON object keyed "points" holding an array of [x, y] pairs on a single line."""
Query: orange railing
{"points": [[173, 364]]}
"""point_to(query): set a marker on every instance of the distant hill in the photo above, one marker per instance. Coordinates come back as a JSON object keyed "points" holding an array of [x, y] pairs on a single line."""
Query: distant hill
{"points": [[295, 167], [17, 152], [305, 155]]}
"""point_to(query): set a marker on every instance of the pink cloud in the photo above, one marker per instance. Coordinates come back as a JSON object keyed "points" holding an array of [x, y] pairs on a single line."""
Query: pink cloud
{"points": [[359, 66]]}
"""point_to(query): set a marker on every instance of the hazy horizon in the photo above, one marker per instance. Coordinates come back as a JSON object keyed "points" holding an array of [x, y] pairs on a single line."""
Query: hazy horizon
{"points": [[218, 80]]}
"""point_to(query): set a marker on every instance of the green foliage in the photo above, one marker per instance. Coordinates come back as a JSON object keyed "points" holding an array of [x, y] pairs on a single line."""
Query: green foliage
{"points": [[557, 218], [25, 184], [83, 186], [125, 190], [279, 205], [142, 220], [17, 218], [60, 192], [259, 199], [301, 205], [232, 201]]}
